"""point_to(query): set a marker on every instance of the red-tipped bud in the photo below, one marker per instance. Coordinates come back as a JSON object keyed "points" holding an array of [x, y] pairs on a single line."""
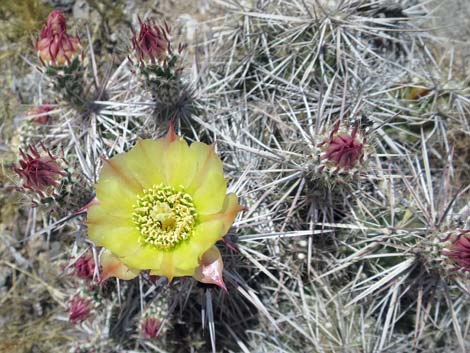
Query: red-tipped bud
{"points": [[55, 23], [149, 327], [459, 251], [79, 309], [39, 172], [152, 43], [40, 113], [343, 150], [84, 267], [55, 46]]}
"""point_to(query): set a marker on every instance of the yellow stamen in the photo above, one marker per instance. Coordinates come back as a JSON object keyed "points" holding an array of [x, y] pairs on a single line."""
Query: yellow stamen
{"points": [[164, 216]]}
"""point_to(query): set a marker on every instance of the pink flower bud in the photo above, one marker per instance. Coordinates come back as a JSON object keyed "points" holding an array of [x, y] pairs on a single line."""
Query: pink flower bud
{"points": [[79, 309], [211, 268], [84, 267], [152, 43], [39, 172], [55, 23], [343, 150], [39, 113], [150, 327], [459, 251], [55, 46]]}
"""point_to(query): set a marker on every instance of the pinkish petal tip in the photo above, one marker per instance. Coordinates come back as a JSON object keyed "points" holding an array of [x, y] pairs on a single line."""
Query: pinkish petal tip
{"points": [[171, 134], [85, 208], [229, 245], [211, 268]]}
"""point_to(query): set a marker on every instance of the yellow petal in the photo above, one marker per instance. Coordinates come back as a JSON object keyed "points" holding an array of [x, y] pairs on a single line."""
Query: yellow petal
{"points": [[145, 258], [115, 197], [227, 215], [167, 267], [179, 167], [205, 160], [186, 255], [230, 211], [113, 267], [98, 215], [117, 169], [121, 240], [144, 162], [177, 273], [209, 197]]}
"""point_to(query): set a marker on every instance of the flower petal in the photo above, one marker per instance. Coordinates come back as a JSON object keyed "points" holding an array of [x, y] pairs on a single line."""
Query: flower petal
{"points": [[145, 258], [205, 160], [99, 215], [113, 267], [230, 211], [121, 240], [176, 273], [117, 169], [186, 256], [167, 267], [179, 166], [211, 268], [115, 197], [227, 215], [209, 197], [144, 162]]}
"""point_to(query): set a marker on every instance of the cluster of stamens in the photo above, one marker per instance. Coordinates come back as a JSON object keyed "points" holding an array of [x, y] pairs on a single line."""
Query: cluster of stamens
{"points": [[164, 216]]}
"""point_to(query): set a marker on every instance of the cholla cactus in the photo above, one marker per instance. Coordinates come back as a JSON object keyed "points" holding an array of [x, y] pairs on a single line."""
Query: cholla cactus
{"points": [[152, 43], [84, 267], [40, 174], [159, 65], [332, 255], [343, 150], [50, 181], [60, 53], [150, 327], [75, 192]]}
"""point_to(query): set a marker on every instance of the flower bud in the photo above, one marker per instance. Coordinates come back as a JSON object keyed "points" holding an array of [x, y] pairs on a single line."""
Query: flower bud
{"points": [[211, 268], [149, 327], [152, 43], [40, 173], [459, 251], [55, 23], [55, 46], [343, 150], [84, 267], [79, 309], [40, 113]]}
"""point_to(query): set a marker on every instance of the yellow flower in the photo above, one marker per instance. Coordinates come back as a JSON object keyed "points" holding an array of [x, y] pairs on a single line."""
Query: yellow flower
{"points": [[162, 205]]}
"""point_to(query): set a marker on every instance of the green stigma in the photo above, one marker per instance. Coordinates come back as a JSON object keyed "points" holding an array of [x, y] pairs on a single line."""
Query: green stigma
{"points": [[164, 216]]}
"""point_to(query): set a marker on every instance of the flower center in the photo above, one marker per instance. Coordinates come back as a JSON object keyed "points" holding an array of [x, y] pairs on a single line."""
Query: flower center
{"points": [[164, 216]]}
